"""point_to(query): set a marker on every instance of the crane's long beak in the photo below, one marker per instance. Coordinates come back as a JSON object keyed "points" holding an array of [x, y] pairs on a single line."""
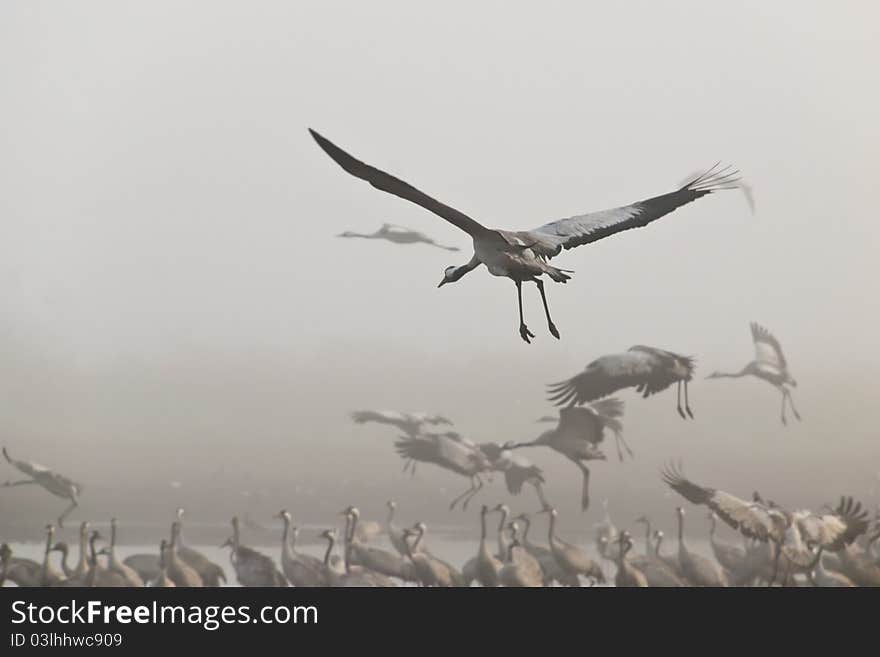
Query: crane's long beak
{"points": [[443, 282]]}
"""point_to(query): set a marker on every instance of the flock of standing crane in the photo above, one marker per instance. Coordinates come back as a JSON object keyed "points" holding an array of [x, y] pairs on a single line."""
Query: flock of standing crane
{"points": [[779, 547]]}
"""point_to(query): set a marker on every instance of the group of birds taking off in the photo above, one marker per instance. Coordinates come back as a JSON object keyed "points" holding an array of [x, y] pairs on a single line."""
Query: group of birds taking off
{"points": [[779, 547], [587, 411]]}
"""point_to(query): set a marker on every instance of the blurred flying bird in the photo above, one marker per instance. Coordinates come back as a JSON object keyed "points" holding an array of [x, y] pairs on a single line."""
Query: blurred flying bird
{"points": [[57, 484], [411, 424], [577, 436], [648, 369], [523, 256], [769, 365], [398, 235]]}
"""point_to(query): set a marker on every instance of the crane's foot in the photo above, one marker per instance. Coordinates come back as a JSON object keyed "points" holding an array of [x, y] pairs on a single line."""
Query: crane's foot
{"points": [[681, 412], [784, 422], [796, 414], [690, 414], [525, 333], [553, 330]]}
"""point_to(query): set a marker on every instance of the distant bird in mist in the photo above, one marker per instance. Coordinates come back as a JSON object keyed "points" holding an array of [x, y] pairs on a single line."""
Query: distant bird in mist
{"points": [[596, 417], [648, 369], [522, 255], [578, 434], [412, 424], [450, 452], [769, 365], [57, 484], [398, 235]]}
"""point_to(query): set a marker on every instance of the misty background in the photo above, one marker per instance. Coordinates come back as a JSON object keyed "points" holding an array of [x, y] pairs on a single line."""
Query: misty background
{"points": [[176, 308]]}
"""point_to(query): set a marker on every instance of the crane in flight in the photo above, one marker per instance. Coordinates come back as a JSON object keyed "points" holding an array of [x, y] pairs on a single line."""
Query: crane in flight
{"points": [[58, 485], [769, 365], [523, 256]]}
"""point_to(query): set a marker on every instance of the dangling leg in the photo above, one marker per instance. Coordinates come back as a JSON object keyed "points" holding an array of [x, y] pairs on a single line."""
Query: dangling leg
{"points": [[473, 492], [680, 412], [550, 325], [462, 496], [620, 439], [585, 491], [73, 505], [791, 404], [524, 331], [22, 482], [687, 403], [775, 564], [543, 500], [783, 405], [617, 444]]}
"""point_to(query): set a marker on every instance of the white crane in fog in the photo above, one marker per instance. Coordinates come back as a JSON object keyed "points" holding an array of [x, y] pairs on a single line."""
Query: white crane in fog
{"points": [[769, 365], [522, 255], [57, 484], [648, 369]]}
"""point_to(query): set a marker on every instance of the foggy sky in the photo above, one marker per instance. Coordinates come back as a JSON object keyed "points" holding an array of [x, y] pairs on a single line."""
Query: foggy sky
{"points": [[177, 308]]}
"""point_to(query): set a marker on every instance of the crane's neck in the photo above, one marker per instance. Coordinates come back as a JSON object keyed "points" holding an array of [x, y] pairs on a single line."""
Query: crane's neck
{"points": [[730, 375], [330, 543], [527, 524], [482, 529], [48, 549], [551, 530], [390, 521], [113, 541], [622, 549], [236, 544], [681, 547], [648, 545], [82, 563], [65, 551], [286, 548]]}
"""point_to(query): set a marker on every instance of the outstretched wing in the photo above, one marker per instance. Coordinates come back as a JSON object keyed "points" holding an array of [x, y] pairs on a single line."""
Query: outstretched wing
{"points": [[767, 347], [27, 467], [834, 530], [517, 471], [749, 518], [583, 229], [604, 376], [388, 183]]}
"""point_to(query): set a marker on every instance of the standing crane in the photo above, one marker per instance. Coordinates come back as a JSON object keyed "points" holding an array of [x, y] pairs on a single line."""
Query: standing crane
{"points": [[647, 369], [522, 256], [571, 558], [520, 568], [769, 365], [58, 485]]}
